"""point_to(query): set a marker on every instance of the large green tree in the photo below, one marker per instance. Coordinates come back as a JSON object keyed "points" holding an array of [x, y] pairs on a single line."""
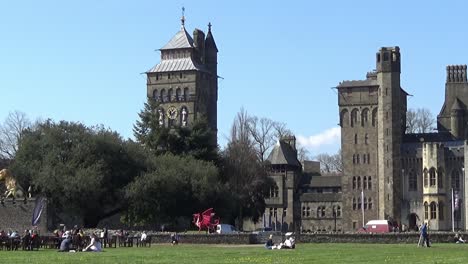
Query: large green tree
{"points": [[82, 170], [198, 140], [173, 187]]}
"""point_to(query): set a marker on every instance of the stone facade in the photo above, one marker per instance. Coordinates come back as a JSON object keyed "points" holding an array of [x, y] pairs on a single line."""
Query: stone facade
{"points": [[17, 215], [185, 82], [408, 177]]}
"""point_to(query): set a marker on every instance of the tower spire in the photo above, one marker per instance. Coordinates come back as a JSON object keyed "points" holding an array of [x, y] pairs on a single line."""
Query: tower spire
{"points": [[209, 26], [182, 19]]}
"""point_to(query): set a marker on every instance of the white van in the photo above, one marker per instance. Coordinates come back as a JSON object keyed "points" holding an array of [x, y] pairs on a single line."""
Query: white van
{"points": [[225, 229]]}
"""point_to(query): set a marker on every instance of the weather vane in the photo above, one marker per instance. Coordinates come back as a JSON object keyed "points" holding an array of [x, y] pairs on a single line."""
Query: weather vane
{"points": [[183, 16]]}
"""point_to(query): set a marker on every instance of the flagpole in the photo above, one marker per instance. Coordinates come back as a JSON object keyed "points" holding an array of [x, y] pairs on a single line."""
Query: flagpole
{"points": [[362, 206], [453, 212]]}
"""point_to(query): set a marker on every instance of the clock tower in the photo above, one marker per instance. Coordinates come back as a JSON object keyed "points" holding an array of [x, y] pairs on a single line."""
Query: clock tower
{"points": [[185, 81]]}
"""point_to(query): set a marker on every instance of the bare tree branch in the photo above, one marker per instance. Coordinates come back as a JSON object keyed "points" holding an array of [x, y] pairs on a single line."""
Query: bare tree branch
{"points": [[10, 133], [262, 131]]}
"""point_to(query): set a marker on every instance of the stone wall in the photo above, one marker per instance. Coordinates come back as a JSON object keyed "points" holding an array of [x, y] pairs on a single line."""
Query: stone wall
{"points": [[391, 238], [18, 215]]}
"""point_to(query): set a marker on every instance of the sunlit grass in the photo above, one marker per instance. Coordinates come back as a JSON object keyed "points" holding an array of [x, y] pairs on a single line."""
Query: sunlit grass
{"points": [[304, 253]]}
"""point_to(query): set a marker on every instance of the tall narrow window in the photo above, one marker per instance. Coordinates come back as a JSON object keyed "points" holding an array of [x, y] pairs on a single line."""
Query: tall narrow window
{"points": [[169, 95], [425, 178], [359, 182], [357, 159], [433, 210], [369, 203], [344, 118], [355, 139], [369, 183], [359, 203], [364, 117], [354, 182], [178, 95], [440, 178], [155, 94], [426, 210], [432, 177], [366, 139], [364, 182], [354, 203], [163, 95], [186, 94], [374, 117], [365, 203], [354, 119]]}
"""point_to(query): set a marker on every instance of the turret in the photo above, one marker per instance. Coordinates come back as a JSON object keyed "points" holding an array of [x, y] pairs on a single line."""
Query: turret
{"points": [[199, 43], [456, 119]]}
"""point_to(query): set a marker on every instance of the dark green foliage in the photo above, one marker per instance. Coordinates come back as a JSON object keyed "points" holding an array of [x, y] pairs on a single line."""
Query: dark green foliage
{"points": [[198, 141], [173, 187], [82, 170]]}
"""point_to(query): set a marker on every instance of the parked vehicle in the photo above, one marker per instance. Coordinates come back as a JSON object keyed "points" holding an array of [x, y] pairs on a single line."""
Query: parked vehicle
{"points": [[225, 229], [376, 226]]}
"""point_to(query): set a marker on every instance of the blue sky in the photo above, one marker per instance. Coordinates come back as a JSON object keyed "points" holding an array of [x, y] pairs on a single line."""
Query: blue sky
{"points": [[81, 60]]}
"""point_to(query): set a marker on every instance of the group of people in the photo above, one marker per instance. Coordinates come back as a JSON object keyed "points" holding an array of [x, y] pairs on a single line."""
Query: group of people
{"points": [[289, 242], [28, 241], [75, 240]]}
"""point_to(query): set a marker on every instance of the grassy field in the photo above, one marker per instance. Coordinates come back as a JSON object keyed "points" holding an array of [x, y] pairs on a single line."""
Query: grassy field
{"points": [[203, 254]]}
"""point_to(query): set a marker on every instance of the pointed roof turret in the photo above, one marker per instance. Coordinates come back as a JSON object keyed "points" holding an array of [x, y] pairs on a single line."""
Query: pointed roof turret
{"points": [[209, 41], [283, 154], [182, 39]]}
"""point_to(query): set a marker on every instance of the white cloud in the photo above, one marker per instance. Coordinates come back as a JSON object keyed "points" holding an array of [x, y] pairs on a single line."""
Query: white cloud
{"points": [[325, 139]]}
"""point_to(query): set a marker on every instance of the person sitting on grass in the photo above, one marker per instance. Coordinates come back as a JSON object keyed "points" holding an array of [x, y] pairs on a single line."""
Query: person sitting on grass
{"points": [[269, 244], [65, 244], [458, 239], [174, 239], [94, 245]]}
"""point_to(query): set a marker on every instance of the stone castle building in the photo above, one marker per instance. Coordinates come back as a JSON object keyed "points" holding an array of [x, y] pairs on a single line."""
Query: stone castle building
{"points": [[185, 82], [387, 173]]}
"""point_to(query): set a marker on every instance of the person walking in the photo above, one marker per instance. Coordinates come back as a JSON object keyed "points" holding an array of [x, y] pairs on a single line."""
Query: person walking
{"points": [[425, 235]]}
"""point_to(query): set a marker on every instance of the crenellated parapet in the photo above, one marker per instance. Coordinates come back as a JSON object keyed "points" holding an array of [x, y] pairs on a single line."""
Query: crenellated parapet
{"points": [[456, 74]]}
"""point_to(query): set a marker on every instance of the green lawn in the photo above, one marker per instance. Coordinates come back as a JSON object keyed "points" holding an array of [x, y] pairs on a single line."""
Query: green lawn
{"points": [[202, 254]]}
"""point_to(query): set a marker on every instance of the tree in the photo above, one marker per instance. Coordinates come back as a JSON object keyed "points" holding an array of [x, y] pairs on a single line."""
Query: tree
{"points": [[82, 170], [10, 133], [419, 121], [173, 187], [262, 132], [244, 173], [199, 140], [281, 130], [330, 163]]}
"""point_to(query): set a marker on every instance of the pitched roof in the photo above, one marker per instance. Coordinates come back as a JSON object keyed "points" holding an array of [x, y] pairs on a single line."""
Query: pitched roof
{"points": [[325, 181], [209, 41], [457, 105], [283, 154], [181, 40], [358, 83], [183, 64]]}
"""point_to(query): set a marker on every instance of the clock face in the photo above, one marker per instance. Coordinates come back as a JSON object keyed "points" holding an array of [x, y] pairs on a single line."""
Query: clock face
{"points": [[172, 112]]}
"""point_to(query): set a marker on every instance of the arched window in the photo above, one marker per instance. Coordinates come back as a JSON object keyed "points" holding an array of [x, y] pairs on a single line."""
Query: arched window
{"points": [[319, 212], [455, 180], [354, 158], [369, 183], [357, 159], [365, 204], [426, 210], [338, 211], [304, 211], [441, 211], [186, 94], [155, 94], [359, 182], [178, 95], [425, 177], [432, 177], [344, 118], [374, 117], [163, 95], [364, 182], [354, 183], [359, 203], [369, 203], [354, 115], [412, 181], [440, 178], [364, 117], [364, 158], [308, 211], [323, 211], [368, 158], [354, 203], [355, 139], [433, 210], [169, 95], [366, 139]]}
